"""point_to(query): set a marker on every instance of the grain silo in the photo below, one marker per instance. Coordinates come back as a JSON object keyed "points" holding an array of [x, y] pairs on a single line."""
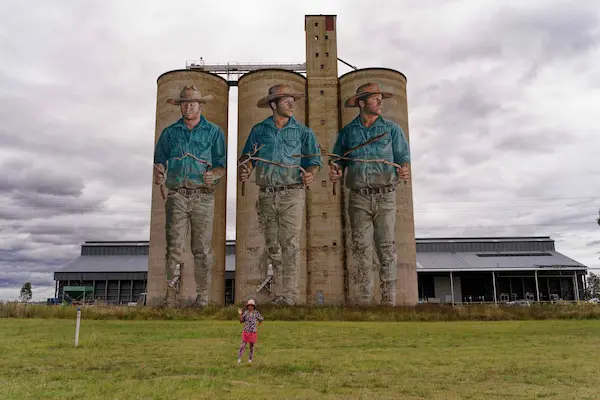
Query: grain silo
{"points": [[325, 265], [170, 85], [252, 258], [394, 109]]}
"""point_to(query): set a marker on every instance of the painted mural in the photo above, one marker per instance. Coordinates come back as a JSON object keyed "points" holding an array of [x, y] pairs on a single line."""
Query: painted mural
{"points": [[283, 154], [189, 159], [370, 157]]}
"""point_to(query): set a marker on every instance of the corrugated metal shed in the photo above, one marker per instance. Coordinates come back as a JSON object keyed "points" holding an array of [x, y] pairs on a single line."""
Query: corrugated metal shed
{"points": [[436, 262], [433, 255], [121, 263]]}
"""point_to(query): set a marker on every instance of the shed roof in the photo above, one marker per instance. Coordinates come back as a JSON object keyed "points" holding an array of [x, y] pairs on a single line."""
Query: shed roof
{"points": [[120, 263], [488, 261]]}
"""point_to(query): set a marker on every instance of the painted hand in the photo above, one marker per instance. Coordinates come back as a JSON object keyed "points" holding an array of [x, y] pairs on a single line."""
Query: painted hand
{"points": [[159, 174], [210, 177], [403, 173], [244, 173], [335, 173], [308, 178]]}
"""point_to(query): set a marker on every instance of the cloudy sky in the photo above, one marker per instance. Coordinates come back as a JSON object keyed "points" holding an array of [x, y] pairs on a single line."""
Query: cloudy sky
{"points": [[503, 106]]}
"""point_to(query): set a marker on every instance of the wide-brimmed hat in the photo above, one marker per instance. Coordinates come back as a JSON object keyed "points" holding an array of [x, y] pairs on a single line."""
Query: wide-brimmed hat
{"points": [[364, 91], [250, 303], [190, 93], [277, 92]]}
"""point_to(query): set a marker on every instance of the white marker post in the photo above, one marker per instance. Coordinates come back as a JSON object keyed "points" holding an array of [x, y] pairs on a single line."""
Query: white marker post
{"points": [[77, 326]]}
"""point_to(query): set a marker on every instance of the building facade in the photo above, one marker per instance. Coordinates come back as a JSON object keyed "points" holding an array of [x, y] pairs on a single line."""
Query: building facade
{"points": [[450, 270]]}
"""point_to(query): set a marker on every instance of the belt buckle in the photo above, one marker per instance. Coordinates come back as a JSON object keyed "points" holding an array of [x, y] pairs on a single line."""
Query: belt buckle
{"points": [[364, 191], [269, 190]]}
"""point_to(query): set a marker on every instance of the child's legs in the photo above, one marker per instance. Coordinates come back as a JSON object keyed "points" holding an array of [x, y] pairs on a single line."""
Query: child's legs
{"points": [[251, 353], [242, 348]]}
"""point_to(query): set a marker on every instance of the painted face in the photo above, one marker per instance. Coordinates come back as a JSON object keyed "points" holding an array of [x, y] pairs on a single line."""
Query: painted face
{"points": [[285, 107], [373, 104], [191, 110]]}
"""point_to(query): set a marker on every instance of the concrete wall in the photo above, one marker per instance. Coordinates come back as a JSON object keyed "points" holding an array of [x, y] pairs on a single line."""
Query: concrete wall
{"points": [[394, 109], [326, 269], [169, 86], [250, 268]]}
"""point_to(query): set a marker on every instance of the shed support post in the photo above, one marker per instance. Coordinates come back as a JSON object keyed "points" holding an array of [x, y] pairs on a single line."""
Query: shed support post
{"points": [[494, 283]]}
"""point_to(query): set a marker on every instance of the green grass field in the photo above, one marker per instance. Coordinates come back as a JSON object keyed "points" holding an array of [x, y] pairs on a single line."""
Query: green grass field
{"points": [[301, 360]]}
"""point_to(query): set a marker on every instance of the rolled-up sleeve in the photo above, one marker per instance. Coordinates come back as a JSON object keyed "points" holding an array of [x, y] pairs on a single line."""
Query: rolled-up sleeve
{"points": [[309, 146], [400, 146], [338, 148], [250, 142], [219, 150], [161, 152]]}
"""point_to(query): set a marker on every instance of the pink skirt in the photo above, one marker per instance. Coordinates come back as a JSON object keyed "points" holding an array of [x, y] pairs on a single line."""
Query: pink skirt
{"points": [[249, 337]]}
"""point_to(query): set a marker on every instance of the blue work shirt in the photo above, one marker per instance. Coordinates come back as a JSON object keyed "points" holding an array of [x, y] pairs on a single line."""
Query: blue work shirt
{"points": [[392, 147], [279, 145], [205, 141]]}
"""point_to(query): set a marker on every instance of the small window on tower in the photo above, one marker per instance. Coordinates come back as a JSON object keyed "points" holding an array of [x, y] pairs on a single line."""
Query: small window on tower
{"points": [[316, 54], [322, 66], [316, 38], [316, 24], [326, 37], [322, 92], [326, 54]]}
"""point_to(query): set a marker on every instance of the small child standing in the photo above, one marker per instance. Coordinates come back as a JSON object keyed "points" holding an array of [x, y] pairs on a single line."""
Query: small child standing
{"points": [[250, 318]]}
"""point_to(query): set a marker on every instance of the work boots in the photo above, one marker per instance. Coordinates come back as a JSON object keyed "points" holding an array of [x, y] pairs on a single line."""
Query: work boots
{"points": [[201, 298], [388, 293], [173, 286], [171, 297]]}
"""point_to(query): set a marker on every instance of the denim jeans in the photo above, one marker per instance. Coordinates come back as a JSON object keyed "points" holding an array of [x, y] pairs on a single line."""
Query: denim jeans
{"points": [[193, 214], [372, 221]]}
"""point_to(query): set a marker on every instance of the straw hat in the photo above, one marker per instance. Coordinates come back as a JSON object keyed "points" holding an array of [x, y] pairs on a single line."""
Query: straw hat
{"points": [[277, 92], [364, 91], [190, 93], [250, 303]]}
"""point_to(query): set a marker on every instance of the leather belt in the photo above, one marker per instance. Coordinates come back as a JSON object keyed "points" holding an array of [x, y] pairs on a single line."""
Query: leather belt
{"points": [[190, 192], [368, 191], [275, 189]]}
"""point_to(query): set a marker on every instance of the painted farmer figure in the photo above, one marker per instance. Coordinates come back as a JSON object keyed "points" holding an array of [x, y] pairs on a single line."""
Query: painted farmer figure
{"points": [[189, 159], [372, 185], [282, 195]]}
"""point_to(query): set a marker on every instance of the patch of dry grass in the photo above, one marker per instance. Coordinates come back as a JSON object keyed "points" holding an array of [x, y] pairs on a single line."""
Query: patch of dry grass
{"points": [[422, 312]]}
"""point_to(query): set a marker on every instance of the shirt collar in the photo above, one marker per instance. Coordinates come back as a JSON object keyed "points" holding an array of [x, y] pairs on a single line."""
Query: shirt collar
{"points": [[292, 123], [356, 121], [202, 124]]}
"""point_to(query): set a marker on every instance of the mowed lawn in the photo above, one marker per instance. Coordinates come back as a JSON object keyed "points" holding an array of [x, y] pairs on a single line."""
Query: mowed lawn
{"points": [[300, 360]]}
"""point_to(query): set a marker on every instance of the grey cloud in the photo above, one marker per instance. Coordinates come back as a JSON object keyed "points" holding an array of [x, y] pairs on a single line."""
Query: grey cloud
{"points": [[593, 243], [86, 149], [21, 176], [18, 279]]}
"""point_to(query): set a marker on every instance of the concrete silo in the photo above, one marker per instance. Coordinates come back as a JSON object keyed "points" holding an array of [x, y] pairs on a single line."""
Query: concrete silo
{"points": [[394, 109], [170, 85], [325, 265], [251, 253]]}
